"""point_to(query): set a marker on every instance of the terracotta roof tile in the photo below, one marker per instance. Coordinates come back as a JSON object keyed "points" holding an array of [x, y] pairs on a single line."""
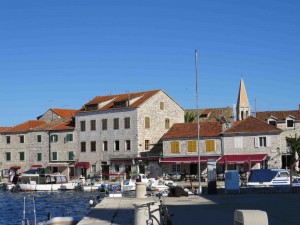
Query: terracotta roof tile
{"points": [[4, 128], [112, 99], [57, 124], [26, 126], [251, 125], [189, 130], [280, 115], [64, 112], [213, 114]]}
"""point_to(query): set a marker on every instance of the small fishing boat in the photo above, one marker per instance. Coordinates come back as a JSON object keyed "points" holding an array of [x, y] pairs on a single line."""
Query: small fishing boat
{"points": [[45, 182], [130, 184]]}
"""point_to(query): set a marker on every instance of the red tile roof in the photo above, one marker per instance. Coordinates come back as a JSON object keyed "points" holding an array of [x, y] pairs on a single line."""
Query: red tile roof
{"points": [[26, 126], [57, 124], [251, 125], [64, 112], [112, 99], [280, 115], [4, 128], [189, 130]]}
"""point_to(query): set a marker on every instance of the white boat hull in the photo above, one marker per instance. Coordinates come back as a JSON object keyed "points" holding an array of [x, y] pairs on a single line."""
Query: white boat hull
{"points": [[47, 187]]}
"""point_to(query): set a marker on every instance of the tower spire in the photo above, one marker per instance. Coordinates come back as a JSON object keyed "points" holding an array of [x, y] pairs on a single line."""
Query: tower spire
{"points": [[243, 109]]}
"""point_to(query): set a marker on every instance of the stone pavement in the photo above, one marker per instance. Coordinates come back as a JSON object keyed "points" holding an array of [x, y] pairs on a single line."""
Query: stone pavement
{"points": [[282, 209]]}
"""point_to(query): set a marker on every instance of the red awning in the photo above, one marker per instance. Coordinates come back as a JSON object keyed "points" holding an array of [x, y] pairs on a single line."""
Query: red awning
{"points": [[35, 167], [15, 167], [83, 164], [187, 160], [242, 159]]}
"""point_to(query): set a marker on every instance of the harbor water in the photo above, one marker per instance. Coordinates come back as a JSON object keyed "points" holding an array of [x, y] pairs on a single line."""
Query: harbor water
{"points": [[72, 203]]}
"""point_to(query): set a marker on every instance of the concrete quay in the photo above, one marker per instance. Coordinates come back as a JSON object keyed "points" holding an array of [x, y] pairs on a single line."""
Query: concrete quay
{"points": [[281, 208]]}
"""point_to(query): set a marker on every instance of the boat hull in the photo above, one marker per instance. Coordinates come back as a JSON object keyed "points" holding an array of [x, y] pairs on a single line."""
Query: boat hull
{"points": [[46, 187]]}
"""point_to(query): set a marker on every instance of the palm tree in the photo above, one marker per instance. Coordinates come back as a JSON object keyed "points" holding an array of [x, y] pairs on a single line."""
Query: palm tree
{"points": [[294, 143], [189, 117]]}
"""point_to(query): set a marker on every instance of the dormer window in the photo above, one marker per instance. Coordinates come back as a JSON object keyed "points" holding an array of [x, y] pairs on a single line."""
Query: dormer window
{"points": [[289, 123], [121, 104], [273, 122]]}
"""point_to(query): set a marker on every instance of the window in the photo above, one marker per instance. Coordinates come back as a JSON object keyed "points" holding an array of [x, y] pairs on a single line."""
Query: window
{"points": [[210, 145], [116, 123], [175, 147], [192, 146], [93, 124], [117, 145], [39, 138], [147, 142], [117, 168], [176, 168], [22, 139], [167, 123], [22, 156], [8, 156], [68, 137], [162, 105], [147, 122], [261, 142], [54, 138], [127, 145], [7, 139], [105, 146], [71, 155], [93, 146], [82, 125], [39, 157], [104, 124], [289, 123], [83, 146], [54, 155], [273, 122], [127, 123], [238, 142]]}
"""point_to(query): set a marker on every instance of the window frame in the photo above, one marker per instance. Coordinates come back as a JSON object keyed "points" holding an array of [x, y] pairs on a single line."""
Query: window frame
{"points": [[22, 139], [147, 144], [93, 146], [210, 145], [39, 156], [116, 122], [127, 123], [147, 122], [8, 156], [39, 138], [93, 125], [54, 156], [8, 139], [167, 123], [22, 156], [105, 146], [191, 146], [83, 146], [127, 145], [82, 125], [117, 145], [53, 138], [104, 124], [175, 147]]}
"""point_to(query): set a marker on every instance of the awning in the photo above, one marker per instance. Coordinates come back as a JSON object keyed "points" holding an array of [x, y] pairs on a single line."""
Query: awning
{"points": [[58, 164], [187, 160], [242, 159], [35, 167], [15, 167], [83, 164]]}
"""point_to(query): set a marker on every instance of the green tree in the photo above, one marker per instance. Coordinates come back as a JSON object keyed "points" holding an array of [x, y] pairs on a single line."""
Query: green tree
{"points": [[189, 117]]}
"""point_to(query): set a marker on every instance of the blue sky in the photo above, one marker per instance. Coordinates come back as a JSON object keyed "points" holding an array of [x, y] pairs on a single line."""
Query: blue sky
{"points": [[62, 53]]}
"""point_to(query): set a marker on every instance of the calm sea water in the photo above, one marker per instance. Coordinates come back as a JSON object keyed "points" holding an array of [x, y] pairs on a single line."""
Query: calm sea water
{"points": [[73, 203]]}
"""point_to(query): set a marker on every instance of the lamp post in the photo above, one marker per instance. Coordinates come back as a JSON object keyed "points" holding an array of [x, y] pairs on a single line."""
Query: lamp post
{"points": [[198, 125]]}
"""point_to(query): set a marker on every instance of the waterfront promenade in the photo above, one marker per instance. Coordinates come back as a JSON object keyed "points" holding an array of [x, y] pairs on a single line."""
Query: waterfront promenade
{"points": [[282, 209]]}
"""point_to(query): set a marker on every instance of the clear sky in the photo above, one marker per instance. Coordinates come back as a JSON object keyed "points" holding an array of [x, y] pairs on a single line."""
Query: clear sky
{"points": [[63, 53]]}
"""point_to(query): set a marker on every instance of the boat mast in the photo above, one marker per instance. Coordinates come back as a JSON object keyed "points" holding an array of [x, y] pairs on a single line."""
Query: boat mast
{"points": [[198, 124]]}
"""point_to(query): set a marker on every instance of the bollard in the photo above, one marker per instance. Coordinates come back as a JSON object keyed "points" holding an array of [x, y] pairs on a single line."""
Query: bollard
{"points": [[250, 217], [140, 190], [147, 213]]}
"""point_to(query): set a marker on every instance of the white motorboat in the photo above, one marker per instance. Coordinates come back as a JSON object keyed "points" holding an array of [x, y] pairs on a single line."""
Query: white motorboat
{"points": [[269, 178], [130, 184], [45, 182], [160, 185]]}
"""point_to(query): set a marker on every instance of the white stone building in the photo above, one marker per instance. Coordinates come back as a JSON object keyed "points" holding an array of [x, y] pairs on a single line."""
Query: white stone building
{"points": [[120, 134]]}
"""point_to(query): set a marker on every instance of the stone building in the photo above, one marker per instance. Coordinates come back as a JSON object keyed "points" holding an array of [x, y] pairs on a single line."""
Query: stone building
{"points": [[120, 134], [180, 145], [251, 143], [289, 122]]}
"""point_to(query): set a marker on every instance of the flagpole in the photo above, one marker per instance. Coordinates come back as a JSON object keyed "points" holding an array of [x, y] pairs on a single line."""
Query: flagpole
{"points": [[198, 124]]}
